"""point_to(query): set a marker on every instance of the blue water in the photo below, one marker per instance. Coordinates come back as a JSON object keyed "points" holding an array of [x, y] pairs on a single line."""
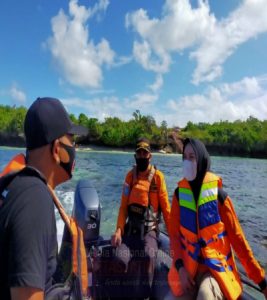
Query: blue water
{"points": [[244, 180]]}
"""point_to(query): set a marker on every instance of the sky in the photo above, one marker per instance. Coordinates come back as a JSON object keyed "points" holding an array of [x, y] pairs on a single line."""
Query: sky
{"points": [[176, 60]]}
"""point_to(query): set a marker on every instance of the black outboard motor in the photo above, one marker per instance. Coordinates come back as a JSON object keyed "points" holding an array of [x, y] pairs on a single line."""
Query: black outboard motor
{"points": [[87, 211]]}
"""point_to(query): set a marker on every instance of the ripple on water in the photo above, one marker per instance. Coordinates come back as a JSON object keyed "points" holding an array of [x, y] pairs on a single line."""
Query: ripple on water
{"points": [[243, 179]]}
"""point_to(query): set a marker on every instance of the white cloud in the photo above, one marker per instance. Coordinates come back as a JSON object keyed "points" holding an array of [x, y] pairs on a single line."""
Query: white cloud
{"points": [[123, 60], [228, 101], [143, 55], [234, 101], [78, 59], [156, 86], [111, 106], [99, 108], [100, 91], [246, 22], [17, 94], [141, 101], [181, 27], [102, 5], [250, 86]]}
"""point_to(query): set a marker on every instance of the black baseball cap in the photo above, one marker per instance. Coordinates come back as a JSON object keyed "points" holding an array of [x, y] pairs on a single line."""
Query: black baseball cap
{"points": [[143, 143], [46, 120]]}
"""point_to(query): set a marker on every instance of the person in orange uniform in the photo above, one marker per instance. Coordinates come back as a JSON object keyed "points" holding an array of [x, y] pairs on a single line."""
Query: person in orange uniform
{"points": [[204, 231], [144, 196]]}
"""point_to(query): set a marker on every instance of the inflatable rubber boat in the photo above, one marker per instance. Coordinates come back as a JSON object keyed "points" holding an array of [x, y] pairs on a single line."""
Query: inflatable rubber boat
{"points": [[87, 212]]}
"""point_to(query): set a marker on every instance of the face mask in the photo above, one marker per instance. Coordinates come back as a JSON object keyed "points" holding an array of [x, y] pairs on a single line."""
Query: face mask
{"points": [[189, 169], [142, 164], [69, 165]]}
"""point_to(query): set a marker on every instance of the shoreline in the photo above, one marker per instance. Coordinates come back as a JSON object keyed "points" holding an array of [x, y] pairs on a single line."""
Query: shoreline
{"points": [[94, 148], [122, 150], [127, 150]]}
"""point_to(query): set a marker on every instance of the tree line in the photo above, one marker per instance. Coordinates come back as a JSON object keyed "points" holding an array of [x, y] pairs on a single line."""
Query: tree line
{"points": [[247, 137]]}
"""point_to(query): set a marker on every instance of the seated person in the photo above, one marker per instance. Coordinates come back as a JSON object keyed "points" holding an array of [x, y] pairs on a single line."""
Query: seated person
{"points": [[144, 196]]}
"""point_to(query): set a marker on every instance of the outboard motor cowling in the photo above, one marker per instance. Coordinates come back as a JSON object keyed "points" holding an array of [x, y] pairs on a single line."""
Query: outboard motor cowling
{"points": [[87, 211]]}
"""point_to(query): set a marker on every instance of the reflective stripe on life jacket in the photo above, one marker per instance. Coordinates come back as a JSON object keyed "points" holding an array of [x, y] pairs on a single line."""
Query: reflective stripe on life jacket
{"points": [[79, 259], [203, 237]]}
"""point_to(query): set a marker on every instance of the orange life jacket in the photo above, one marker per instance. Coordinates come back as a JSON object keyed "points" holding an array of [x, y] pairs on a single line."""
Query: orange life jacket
{"points": [[17, 163], [140, 188], [140, 197], [204, 239], [79, 258]]}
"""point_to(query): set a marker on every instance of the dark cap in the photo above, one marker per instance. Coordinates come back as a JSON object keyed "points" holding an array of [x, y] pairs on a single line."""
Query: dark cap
{"points": [[45, 121], [143, 143]]}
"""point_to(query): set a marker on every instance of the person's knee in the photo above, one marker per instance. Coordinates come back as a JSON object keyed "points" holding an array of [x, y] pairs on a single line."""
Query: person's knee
{"points": [[151, 252], [209, 289], [122, 255], [205, 293]]}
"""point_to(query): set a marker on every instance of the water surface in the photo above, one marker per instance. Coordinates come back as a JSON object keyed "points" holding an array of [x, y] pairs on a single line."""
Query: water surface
{"points": [[244, 180]]}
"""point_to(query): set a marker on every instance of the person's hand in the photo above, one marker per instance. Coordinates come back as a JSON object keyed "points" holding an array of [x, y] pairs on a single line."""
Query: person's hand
{"points": [[116, 238], [265, 293], [186, 280]]}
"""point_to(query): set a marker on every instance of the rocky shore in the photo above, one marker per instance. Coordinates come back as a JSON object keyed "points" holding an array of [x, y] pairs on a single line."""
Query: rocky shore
{"points": [[173, 145]]}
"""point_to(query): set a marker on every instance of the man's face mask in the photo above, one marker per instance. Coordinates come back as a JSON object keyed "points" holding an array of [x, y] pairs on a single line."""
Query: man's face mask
{"points": [[67, 158], [142, 164], [189, 169]]}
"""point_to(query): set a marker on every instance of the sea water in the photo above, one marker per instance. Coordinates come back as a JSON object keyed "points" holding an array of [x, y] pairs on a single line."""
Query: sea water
{"points": [[244, 179]]}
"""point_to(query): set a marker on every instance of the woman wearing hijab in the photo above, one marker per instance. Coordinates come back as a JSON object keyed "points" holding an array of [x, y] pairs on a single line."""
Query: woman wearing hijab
{"points": [[203, 231]]}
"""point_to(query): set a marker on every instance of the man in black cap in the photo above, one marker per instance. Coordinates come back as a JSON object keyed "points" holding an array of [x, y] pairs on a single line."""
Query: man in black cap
{"points": [[28, 234], [144, 197]]}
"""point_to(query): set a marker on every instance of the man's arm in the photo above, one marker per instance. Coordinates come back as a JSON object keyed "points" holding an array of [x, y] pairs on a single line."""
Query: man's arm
{"points": [[116, 238], [26, 293], [164, 203], [239, 241], [174, 230], [123, 210]]}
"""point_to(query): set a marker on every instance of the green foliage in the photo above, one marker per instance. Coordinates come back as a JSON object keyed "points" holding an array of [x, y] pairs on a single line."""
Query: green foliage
{"points": [[246, 137], [95, 128], [114, 132], [73, 119], [12, 119], [83, 120]]}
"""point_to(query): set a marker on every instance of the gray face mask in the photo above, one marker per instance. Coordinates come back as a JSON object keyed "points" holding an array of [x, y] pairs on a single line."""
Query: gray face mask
{"points": [[189, 169]]}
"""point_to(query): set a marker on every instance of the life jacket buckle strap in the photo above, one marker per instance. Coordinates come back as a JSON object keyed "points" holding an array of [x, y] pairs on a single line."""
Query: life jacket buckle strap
{"points": [[202, 243], [216, 237], [229, 255], [182, 245]]}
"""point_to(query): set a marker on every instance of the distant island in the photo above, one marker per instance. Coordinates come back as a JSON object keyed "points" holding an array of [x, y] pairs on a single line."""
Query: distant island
{"points": [[239, 138]]}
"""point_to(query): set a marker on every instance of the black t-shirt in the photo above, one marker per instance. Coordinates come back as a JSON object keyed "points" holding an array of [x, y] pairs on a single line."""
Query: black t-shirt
{"points": [[28, 234]]}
